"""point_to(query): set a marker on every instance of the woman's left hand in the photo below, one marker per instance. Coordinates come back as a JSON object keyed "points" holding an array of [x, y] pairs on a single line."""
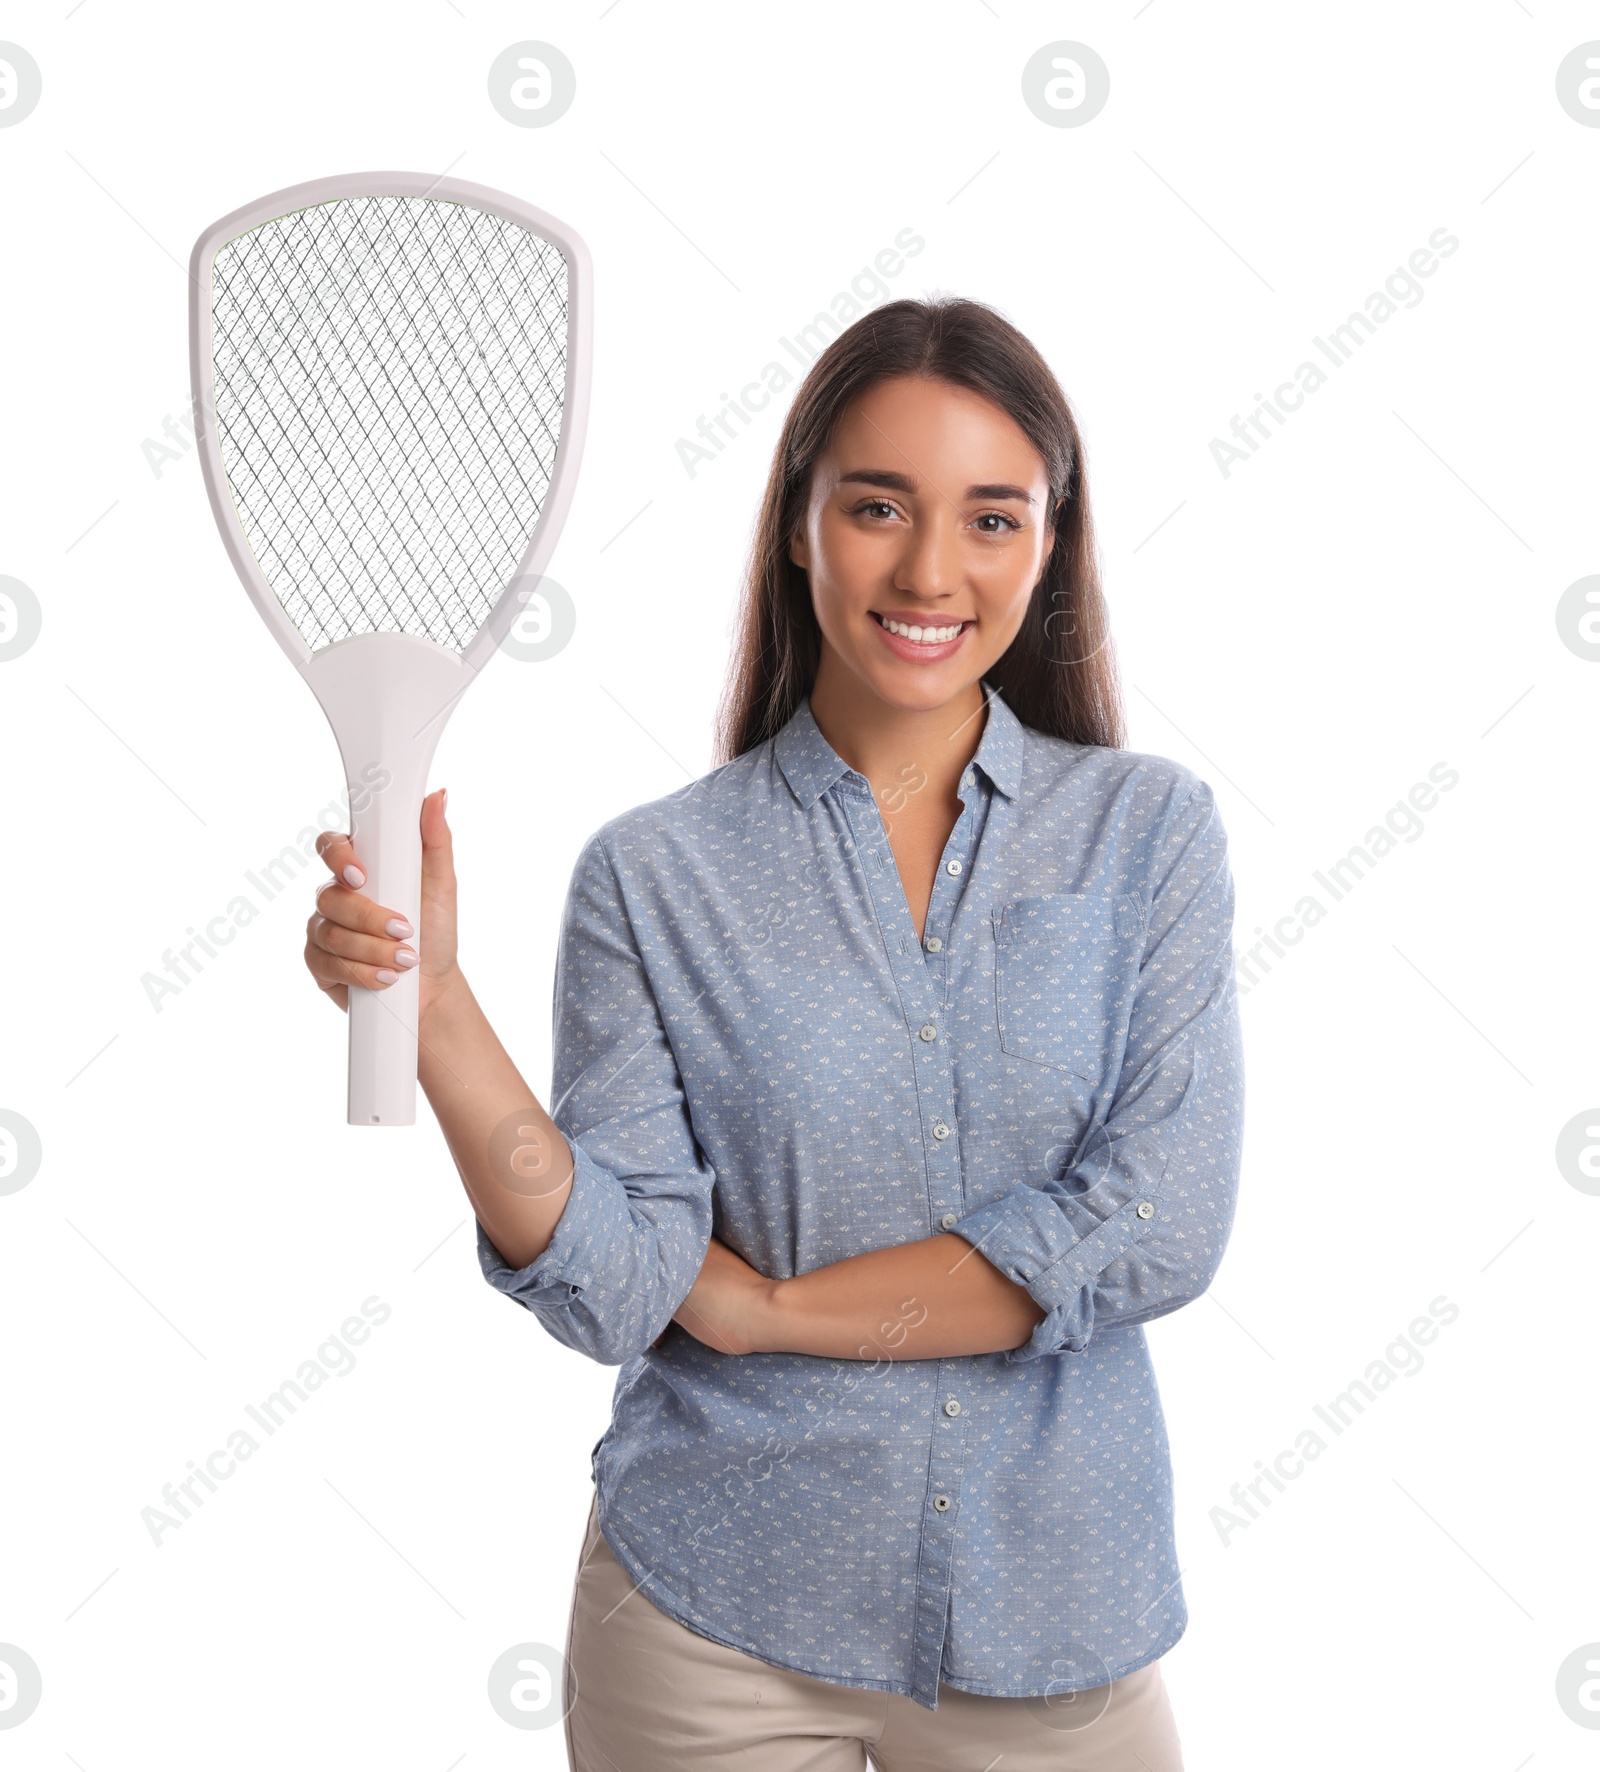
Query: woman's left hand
{"points": [[728, 1307]]}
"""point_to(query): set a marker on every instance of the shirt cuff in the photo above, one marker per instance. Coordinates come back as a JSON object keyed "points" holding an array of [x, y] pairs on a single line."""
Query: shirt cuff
{"points": [[559, 1273], [1027, 1235]]}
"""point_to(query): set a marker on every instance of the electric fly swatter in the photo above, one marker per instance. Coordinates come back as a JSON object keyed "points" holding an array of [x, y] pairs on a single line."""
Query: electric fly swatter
{"points": [[391, 375]]}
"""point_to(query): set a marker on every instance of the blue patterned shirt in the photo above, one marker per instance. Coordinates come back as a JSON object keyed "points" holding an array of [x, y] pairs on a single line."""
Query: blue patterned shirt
{"points": [[752, 1043]]}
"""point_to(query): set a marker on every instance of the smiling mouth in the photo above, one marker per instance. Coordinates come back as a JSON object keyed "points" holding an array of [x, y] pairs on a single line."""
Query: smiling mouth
{"points": [[920, 634]]}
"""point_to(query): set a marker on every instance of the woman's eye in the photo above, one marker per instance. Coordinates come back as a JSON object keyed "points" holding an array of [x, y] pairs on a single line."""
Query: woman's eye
{"points": [[990, 523]]}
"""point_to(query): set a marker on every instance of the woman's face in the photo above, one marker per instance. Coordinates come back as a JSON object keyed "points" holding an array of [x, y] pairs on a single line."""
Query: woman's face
{"points": [[929, 511]]}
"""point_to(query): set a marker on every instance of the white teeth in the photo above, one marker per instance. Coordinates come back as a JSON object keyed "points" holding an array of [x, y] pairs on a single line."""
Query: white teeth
{"points": [[921, 636]]}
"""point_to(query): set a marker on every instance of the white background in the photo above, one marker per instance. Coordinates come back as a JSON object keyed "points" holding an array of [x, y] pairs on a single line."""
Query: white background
{"points": [[1372, 593]]}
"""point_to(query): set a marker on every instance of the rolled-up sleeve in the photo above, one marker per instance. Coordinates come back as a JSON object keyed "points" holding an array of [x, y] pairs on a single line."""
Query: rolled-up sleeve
{"points": [[1137, 1224], [633, 1235]]}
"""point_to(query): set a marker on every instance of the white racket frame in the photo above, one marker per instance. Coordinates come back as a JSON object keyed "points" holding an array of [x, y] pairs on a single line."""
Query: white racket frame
{"points": [[387, 696]]}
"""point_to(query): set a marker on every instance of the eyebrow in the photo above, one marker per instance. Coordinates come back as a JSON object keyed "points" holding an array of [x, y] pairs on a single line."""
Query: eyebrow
{"points": [[893, 482]]}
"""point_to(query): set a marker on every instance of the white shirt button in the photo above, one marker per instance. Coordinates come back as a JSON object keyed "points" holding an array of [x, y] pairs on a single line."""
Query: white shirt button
{"points": [[1145, 1209], [952, 867], [934, 944], [942, 1503], [948, 1222], [952, 1407], [966, 780], [940, 1130], [927, 1031]]}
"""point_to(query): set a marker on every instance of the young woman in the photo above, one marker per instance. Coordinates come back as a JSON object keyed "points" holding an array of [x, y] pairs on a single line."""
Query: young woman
{"points": [[897, 1083]]}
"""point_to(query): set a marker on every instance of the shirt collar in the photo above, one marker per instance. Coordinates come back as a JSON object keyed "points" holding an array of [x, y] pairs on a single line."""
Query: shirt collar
{"points": [[999, 753], [811, 765]]}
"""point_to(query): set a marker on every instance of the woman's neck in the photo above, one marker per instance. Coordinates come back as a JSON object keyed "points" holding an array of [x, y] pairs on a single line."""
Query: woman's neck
{"points": [[897, 748]]}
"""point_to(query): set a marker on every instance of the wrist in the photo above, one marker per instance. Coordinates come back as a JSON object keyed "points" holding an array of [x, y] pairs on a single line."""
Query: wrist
{"points": [[441, 999], [774, 1321]]}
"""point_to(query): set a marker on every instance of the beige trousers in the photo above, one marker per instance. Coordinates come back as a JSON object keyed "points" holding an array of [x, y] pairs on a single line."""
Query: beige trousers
{"points": [[646, 1694]]}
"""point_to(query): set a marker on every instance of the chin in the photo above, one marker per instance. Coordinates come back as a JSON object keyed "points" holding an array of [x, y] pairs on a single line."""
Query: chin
{"points": [[918, 689]]}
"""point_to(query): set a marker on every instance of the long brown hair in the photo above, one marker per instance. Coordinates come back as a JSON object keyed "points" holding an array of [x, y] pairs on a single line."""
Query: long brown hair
{"points": [[1059, 674]]}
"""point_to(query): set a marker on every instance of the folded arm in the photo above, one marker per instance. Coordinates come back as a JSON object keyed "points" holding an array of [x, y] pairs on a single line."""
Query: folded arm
{"points": [[917, 1301]]}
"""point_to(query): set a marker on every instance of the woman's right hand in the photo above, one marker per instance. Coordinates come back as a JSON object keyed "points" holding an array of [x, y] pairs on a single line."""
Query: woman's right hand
{"points": [[350, 939]]}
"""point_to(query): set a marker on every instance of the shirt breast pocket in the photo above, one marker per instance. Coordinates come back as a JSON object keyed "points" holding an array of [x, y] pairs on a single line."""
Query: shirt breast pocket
{"points": [[1066, 965]]}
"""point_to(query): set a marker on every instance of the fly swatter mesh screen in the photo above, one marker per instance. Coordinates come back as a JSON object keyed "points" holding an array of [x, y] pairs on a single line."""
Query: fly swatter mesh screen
{"points": [[388, 374]]}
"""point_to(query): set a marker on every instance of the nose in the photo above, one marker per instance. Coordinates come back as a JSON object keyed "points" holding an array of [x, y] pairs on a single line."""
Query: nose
{"points": [[929, 566]]}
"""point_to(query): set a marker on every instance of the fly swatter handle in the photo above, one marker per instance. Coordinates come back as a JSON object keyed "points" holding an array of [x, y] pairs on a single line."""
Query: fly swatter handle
{"points": [[387, 697], [383, 1023]]}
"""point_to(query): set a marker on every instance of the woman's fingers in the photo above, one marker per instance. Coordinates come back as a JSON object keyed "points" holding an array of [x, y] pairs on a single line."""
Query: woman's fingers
{"points": [[335, 849], [339, 902], [438, 903], [356, 912], [338, 956], [318, 964], [438, 853], [349, 939], [436, 843], [376, 952]]}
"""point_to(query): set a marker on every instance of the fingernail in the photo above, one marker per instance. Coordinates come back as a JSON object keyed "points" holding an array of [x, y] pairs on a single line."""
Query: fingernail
{"points": [[353, 876], [444, 798], [399, 928], [385, 976], [404, 957]]}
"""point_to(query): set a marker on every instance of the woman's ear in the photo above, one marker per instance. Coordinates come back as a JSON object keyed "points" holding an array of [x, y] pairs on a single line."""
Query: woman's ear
{"points": [[798, 552], [1050, 539]]}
